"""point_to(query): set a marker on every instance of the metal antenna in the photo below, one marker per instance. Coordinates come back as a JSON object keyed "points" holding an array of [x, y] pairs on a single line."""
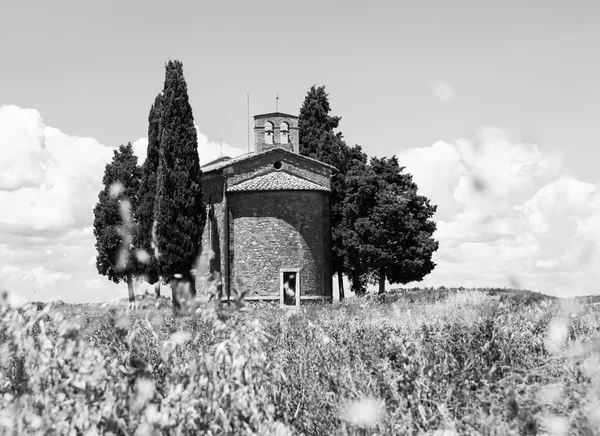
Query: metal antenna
{"points": [[248, 120], [277, 103]]}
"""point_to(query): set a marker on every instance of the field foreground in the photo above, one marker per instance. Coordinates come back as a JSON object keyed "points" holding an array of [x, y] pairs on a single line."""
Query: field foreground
{"points": [[465, 364]]}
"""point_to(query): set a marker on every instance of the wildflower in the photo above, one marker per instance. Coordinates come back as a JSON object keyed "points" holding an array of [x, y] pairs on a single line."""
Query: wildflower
{"points": [[279, 429], [152, 414], [180, 338], [143, 430], [365, 412], [557, 334], [142, 256], [15, 300], [116, 189], [145, 391], [555, 425], [92, 431]]}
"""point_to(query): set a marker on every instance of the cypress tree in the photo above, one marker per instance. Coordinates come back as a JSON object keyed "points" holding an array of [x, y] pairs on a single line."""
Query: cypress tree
{"points": [[113, 224], [319, 141], [146, 196], [178, 208]]}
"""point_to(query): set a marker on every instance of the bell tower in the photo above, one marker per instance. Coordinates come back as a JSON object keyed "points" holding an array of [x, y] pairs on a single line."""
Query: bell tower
{"points": [[276, 130]]}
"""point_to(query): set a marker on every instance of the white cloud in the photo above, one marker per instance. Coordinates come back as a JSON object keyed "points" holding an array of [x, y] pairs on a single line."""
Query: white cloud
{"points": [[38, 278], [57, 183], [94, 283], [24, 156], [49, 185], [506, 212], [443, 91], [545, 264], [443, 160]]}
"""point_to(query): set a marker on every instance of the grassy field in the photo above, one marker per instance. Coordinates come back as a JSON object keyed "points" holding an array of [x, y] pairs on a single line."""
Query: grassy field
{"points": [[451, 362]]}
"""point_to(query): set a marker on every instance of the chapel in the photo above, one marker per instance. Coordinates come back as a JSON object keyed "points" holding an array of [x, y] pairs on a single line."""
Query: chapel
{"points": [[269, 217]]}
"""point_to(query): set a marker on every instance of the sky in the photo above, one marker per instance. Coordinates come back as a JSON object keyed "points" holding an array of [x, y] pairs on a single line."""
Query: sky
{"points": [[468, 94]]}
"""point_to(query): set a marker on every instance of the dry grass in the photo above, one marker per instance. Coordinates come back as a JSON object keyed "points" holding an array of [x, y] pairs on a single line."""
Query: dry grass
{"points": [[465, 364]]}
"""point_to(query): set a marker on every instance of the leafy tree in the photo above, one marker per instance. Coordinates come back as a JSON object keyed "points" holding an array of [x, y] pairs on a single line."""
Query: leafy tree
{"points": [[392, 225], [146, 196], [178, 208], [319, 141], [113, 225]]}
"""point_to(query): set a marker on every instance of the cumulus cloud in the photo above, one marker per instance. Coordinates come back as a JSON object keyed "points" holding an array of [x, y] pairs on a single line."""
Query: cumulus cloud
{"points": [[54, 182], [445, 161], [49, 185], [94, 283], [37, 278], [24, 156], [443, 91], [506, 212]]}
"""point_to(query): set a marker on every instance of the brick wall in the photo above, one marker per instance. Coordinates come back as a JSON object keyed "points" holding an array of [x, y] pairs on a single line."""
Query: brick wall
{"points": [[281, 229], [276, 119]]}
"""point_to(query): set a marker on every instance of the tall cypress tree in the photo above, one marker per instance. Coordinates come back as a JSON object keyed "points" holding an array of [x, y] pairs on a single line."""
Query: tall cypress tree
{"points": [[113, 227], [319, 141], [178, 208], [146, 196], [317, 138]]}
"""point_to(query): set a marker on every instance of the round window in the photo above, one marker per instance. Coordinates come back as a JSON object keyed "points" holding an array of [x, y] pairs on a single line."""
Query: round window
{"points": [[277, 165]]}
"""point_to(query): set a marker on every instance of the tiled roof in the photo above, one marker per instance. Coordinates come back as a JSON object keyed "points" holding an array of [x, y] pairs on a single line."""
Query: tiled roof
{"points": [[227, 162], [277, 181], [223, 163], [275, 114]]}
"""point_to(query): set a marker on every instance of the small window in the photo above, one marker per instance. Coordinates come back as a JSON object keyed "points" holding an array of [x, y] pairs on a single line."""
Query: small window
{"points": [[277, 165], [284, 132], [268, 132]]}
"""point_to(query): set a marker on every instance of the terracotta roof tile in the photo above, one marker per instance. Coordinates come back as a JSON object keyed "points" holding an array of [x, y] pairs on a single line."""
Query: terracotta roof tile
{"points": [[277, 181]]}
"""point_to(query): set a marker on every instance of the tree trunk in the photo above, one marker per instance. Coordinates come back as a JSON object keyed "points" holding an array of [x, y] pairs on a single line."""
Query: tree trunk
{"points": [[175, 293], [381, 281], [190, 279], [341, 284], [157, 289], [130, 288]]}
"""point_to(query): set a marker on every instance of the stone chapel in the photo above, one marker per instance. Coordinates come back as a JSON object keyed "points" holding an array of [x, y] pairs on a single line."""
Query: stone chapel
{"points": [[268, 217]]}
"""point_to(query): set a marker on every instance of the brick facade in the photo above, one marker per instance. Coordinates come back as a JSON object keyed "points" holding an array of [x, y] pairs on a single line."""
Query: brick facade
{"points": [[277, 230], [255, 233]]}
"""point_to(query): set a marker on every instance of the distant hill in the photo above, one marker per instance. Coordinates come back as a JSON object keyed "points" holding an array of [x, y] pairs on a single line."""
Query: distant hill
{"points": [[590, 299], [434, 294]]}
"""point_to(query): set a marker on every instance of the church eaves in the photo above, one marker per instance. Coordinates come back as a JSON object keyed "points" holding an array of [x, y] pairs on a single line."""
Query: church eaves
{"points": [[277, 181]]}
